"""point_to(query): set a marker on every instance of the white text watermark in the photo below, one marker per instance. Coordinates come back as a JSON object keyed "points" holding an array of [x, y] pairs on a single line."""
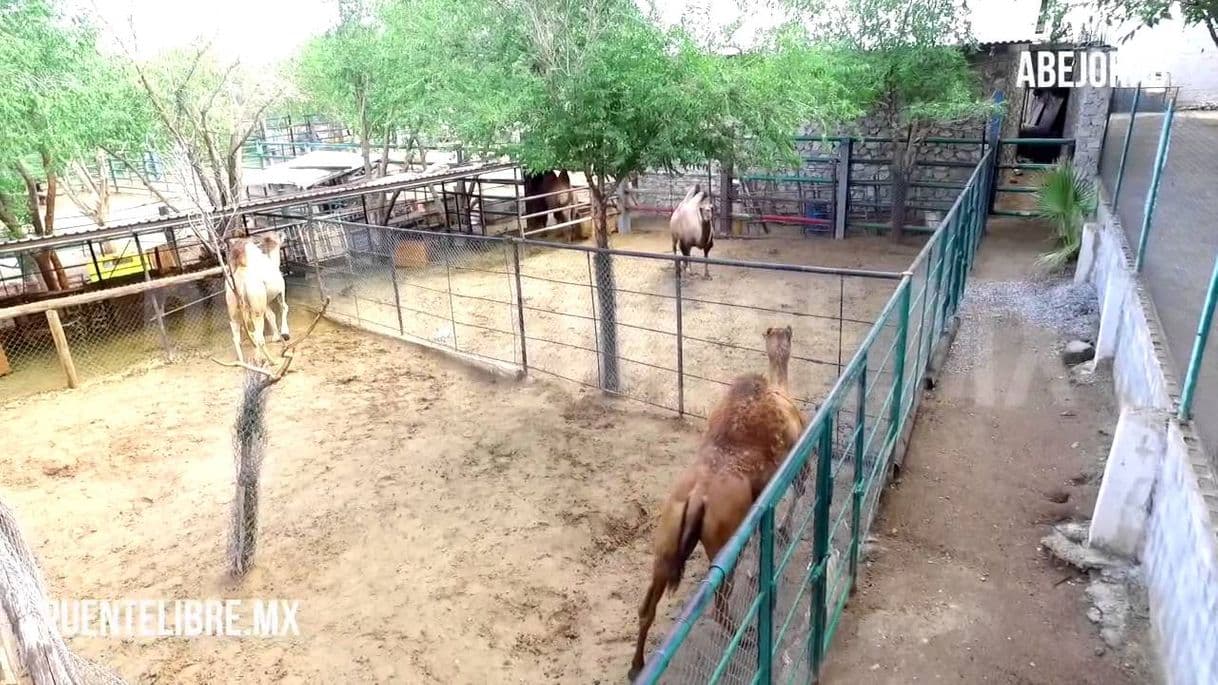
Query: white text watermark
{"points": [[1067, 69], [130, 618]]}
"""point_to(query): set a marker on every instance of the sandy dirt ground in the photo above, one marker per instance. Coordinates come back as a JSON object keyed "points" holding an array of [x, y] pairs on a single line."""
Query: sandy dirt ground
{"points": [[436, 525], [958, 588], [723, 318]]}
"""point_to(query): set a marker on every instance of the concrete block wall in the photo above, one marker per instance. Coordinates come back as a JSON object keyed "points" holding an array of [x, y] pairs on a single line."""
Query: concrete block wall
{"points": [[1159, 498], [1181, 565]]}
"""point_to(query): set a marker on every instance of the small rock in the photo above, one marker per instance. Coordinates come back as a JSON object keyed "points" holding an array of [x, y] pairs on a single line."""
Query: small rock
{"points": [[1077, 352], [1099, 651], [1093, 615], [59, 466]]}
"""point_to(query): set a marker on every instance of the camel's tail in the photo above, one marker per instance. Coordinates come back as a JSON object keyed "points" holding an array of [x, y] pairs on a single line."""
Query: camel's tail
{"points": [[677, 542]]}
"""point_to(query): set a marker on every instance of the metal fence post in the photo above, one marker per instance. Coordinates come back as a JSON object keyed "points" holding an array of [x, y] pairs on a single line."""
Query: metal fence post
{"points": [[158, 313], [393, 277], [765, 582], [902, 341], [1133, 116], [995, 135], [820, 547], [680, 345], [448, 274], [856, 493], [726, 172], [524, 353], [841, 201], [311, 230], [1203, 333], [1152, 193]]}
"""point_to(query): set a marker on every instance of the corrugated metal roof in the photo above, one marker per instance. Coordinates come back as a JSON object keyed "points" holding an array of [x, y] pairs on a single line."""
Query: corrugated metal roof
{"points": [[392, 182]]}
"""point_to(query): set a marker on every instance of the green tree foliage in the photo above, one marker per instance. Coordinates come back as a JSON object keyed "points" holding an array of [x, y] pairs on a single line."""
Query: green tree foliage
{"points": [[912, 72], [61, 103], [599, 87], [378, 71], [205, 110], [1137, 14]]}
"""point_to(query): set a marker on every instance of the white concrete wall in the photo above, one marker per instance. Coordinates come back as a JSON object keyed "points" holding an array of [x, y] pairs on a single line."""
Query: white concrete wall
{"points": [[1127, 335], [1181, 566], [1159, 497]]}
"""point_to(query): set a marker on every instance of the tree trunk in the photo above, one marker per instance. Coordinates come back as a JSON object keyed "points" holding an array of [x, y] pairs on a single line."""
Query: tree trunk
{"points": [[46, 268], [899, 174], [606, 291]]}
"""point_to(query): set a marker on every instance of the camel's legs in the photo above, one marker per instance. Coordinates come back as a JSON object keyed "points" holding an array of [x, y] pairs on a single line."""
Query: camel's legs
{"points": [[237, 339], [647, 614], [705, 266], [273, 322], [283, 316]]}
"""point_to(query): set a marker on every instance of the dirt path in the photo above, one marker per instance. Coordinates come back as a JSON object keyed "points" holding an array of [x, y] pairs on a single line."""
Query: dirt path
{"points": [[958, 587]]}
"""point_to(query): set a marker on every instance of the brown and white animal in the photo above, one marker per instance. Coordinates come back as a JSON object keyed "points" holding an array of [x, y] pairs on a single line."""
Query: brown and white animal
{"points": [[254, 263], [691, 227], [748, 435], [555, 202]]}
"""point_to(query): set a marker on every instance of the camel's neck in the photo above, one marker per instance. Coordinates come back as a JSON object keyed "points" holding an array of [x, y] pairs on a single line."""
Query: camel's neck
{"points": [[777, 373], [273, 257]]}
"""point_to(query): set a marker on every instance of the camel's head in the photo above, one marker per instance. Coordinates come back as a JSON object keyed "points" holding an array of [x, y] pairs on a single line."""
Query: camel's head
{"points": [[236, 252], [778, 343], [270, 242]]}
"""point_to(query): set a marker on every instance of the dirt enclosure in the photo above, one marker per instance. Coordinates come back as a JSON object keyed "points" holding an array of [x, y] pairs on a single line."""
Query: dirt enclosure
{"points": [[436, 526]]}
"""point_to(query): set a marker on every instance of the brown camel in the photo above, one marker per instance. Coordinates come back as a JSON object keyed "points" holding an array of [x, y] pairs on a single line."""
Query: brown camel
{"points": [[748, 435]]}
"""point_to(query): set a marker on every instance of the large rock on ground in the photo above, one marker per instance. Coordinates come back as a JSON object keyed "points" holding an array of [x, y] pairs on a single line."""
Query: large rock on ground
{"points": [[1077, 352]]}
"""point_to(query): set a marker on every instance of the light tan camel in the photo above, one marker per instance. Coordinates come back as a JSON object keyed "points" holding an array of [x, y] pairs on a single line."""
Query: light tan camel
{"points": [[259, 291], [748, 435], [691, 227]]}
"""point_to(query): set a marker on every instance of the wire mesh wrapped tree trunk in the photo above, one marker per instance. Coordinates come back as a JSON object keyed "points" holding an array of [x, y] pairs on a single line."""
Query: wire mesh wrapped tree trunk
{"points": [[249, 446]]}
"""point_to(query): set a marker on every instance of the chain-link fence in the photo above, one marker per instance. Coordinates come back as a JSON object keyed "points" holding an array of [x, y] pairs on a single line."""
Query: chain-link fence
{"points": [[768, 608], [59, 343], [1157, 170], [610, 319]]}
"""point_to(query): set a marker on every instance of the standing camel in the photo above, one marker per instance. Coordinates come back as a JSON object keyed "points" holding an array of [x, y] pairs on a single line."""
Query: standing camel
{"points": [[691, 227], [259, 292], [748, 435], [558, 199]]}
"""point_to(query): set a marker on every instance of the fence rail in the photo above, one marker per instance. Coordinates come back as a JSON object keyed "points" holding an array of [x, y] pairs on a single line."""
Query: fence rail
{"points": [[777, 625], [616, 320], [1157, 168]]}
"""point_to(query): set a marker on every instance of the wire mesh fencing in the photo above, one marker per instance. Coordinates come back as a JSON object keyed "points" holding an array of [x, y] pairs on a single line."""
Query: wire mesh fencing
{"points": [[1158, 166], [60, 343], [630, 323], [770, 603]]}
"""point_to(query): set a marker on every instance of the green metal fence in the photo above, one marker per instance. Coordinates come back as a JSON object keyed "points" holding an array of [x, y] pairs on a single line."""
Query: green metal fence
{"points": [[770, 603]]}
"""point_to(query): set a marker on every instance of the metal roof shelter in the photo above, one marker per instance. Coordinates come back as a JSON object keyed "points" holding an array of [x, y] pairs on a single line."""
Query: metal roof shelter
{"points": [[403, 181]]}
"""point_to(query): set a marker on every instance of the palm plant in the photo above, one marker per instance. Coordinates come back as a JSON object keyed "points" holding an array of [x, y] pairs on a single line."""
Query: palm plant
{"points": [[1066, 198]]}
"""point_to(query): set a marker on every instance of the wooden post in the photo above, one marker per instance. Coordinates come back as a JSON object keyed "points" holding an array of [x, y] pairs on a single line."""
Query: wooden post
{"points": [[61, 347]]}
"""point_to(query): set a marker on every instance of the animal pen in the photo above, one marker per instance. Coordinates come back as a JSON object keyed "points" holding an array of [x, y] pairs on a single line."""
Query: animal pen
{"points": [[456, 270], [530, 307]]}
